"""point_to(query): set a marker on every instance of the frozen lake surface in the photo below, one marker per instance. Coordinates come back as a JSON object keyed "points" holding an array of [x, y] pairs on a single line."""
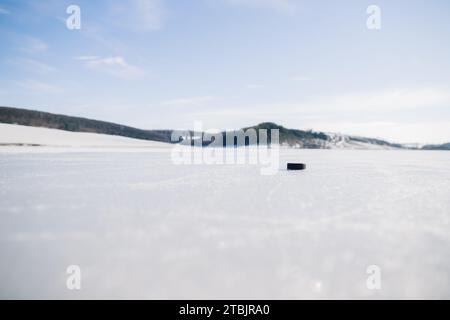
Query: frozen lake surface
{"points": [[140, 227]]}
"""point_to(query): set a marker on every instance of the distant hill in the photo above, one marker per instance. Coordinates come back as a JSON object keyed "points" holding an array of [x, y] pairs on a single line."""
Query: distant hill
{"points": [[319, 140], [445, 146], [294, 138], [308, 139], [76, 124]]}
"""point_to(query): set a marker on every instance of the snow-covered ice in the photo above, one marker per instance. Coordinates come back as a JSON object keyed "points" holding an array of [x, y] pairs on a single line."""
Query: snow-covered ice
{"points": [[142, 227]]}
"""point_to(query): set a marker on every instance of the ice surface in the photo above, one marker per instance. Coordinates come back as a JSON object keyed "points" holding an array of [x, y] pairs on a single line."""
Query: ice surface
{"points": [[141, 227]]}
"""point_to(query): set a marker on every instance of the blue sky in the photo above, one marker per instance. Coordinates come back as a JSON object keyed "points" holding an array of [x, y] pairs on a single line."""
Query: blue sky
{"points": [[234, 63]]}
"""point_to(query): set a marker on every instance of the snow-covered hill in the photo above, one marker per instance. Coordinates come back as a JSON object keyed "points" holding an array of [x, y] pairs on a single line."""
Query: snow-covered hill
{"points": [[292, 138], [341, 141], [308, 139], [16, 135]]}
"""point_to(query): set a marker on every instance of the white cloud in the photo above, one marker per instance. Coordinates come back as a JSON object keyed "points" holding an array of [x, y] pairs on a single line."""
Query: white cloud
{"points": [[115, 66], [191, 101], [138, 15]]}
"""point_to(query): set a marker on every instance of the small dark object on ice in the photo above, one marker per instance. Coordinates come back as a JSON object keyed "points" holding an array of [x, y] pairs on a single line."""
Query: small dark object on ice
{"points": [[296, 166]]}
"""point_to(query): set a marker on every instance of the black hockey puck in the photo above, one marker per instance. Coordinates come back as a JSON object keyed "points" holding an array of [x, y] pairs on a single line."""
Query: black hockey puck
{"points": [[296, 166]]}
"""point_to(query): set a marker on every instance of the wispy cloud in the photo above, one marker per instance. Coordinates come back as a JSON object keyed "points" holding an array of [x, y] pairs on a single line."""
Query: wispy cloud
{"points": [[191, 101], [285, 6], [87, 58], [401, 132], [37, 87], [33, 45], [114, 66], [4, 11], [138, 15], [300, 78], [254, 86], [387, 100], [33, 65], [373, 114]]}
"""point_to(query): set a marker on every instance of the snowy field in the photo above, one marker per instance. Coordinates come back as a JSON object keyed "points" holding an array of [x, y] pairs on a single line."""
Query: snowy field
{"points": [[141, 227], [11, 135]]}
